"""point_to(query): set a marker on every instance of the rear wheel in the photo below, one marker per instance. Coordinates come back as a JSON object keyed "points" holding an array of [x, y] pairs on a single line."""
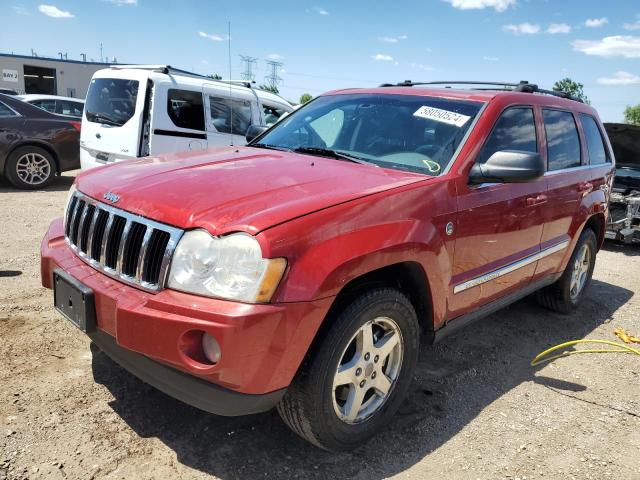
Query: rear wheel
{"points": [[565, 295], [355, 379], [30, 168]]}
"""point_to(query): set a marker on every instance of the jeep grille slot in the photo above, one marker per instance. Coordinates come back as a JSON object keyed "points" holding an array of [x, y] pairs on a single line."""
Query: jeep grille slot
{"points": [[128, 247]]}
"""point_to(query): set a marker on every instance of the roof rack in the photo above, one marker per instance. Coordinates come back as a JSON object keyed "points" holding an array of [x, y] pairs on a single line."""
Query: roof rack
{"points": [[168, 70], [522, 86]]}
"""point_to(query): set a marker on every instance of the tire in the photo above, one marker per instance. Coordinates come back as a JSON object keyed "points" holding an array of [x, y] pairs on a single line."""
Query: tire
{"points": [[561, 296], [30, 168], [313, 409]]}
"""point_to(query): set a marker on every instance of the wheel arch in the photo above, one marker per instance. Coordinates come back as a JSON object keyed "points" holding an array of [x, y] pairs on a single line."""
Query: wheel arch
{"points": [[34, 143], [598, 223]]}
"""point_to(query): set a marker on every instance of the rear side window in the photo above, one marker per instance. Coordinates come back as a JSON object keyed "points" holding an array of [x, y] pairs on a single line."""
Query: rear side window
{"points": [[185, 109], [595, 145], [48, 105], [563, 143], [111, 101], [230, 115], [514, 130], [67, 107], [6, 112]]}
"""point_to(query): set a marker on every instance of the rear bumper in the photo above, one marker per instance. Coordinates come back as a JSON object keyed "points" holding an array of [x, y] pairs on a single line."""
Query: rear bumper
{"points": [[150, 334]]}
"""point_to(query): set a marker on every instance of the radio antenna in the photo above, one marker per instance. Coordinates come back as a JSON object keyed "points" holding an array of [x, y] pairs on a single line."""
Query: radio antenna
{"points": [[230, 77]]}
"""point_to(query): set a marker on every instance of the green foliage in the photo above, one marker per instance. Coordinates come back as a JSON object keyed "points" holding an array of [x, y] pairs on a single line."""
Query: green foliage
{"points": [[575, 89], [305, 97], [270, 88], [632, 115], [215, 76]]}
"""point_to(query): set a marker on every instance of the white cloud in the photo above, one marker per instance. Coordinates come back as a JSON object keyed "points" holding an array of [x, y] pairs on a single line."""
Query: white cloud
{"points": [[20, 10], [498, 5], [122, 2], [320, 11], [632, 26], [490, 59], [275, 56], [596, 22], [522, 29], [393, 39], [422, 67], [555, 28], [620, 78], [54, 12], [625, 46], [213, 36], [382, 57]]}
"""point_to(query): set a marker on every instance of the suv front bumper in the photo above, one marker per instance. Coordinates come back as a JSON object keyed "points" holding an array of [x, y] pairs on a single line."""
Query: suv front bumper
{"points": [[262, 345]]}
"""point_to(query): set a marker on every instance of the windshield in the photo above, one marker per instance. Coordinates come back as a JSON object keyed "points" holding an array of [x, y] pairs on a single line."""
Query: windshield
{"points": [[405, 132], [111, 101]]}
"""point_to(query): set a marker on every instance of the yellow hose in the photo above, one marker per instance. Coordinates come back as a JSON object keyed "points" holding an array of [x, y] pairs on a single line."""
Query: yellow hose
{"points": [[621, 348]]}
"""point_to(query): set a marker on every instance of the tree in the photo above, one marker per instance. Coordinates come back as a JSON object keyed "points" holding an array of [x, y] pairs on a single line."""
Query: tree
{"points": [[304, 98], [215, 76], [575, 89], [632, 115], [270, 88]]}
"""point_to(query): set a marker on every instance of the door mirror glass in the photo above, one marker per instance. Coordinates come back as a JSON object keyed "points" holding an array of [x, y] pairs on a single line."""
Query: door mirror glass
{"points": [[254, 131], [509, 166]]}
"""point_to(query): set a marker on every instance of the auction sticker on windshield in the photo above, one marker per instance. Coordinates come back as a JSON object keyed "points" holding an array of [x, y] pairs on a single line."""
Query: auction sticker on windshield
{"points": [[444, 116]]}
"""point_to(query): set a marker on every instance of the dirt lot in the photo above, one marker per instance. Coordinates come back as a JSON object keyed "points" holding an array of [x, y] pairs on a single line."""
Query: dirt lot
{"points": [[477, 410]]}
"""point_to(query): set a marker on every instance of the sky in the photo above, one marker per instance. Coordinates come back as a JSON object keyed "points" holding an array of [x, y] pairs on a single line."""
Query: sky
{"points": [[329, 44]]}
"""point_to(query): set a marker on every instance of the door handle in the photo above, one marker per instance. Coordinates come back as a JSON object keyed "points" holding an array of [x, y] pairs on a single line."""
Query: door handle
{"points": [[586, 187], [539, 200]]}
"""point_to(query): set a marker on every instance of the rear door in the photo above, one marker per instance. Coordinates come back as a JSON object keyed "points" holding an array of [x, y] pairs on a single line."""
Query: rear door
{"points": [[178, 120], [568, 182], [499, 225], [229, 114], [11, 126], [112, 119]]}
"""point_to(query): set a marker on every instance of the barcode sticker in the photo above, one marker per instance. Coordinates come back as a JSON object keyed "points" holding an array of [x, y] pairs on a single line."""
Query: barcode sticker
{"points": [[444, 116]]}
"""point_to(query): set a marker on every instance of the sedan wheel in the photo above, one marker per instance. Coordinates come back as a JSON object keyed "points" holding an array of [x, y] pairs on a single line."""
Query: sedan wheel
{"points": [[33, 169]]}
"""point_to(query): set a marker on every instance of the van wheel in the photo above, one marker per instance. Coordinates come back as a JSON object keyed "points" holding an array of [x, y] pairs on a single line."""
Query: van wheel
{"points": [[354, 380], [30, 168], [565, 295]]}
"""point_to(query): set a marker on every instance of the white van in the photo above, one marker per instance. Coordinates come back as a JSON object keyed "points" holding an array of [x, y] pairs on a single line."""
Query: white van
{"points": [[136, 111]]}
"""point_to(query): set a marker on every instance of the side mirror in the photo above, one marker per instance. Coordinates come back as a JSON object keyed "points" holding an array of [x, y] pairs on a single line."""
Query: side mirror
{"points": [[254, 131], [509, 166]]}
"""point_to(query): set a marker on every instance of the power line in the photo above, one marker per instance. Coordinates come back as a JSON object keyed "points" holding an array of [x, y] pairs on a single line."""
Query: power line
{"points": [[273, 79], [249, 63]]}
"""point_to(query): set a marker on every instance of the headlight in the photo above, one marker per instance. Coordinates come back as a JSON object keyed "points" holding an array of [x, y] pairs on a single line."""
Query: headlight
{"points": [[228, 267], [72, 191]]}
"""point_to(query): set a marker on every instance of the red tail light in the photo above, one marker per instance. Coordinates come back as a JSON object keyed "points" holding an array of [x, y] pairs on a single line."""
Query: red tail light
{"points": [[76, 125]]}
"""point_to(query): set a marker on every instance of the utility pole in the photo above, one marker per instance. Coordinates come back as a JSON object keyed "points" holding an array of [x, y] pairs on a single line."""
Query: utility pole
{"points": [[101, 58], [247, 73], [273, 79], [84, 57]]}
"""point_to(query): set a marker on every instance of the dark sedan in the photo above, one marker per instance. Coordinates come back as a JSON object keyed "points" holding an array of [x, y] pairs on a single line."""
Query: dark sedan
{"points": [[35, 145]]}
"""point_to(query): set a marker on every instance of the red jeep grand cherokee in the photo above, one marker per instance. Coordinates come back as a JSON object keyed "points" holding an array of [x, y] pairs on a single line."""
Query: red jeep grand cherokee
{"points": [[302, 270]]}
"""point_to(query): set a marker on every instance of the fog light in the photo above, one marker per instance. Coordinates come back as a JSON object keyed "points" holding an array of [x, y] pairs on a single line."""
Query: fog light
{"points": [[211, 348]]}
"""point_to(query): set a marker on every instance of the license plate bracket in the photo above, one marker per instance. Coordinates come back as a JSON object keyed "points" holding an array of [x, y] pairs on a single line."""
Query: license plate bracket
{"points": [[74, 300]]}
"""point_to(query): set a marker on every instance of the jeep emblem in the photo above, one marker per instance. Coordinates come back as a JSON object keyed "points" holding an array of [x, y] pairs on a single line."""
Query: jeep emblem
{"points": [[111, 197]]}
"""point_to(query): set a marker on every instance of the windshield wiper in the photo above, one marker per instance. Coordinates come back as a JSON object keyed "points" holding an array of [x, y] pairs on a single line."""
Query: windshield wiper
{"points": [[269, 146], [106, 119], [327, 152]]}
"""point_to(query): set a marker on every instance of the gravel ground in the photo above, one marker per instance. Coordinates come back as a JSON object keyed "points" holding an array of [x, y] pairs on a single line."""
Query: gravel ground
{"points": [[477, 409]]}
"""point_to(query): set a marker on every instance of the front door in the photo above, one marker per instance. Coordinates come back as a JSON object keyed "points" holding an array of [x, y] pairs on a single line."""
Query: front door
{"points": [[229, 115], [499, 225]]}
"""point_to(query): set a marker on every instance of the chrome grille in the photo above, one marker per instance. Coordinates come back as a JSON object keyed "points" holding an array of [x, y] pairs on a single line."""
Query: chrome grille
{"points": [[125, 246]]}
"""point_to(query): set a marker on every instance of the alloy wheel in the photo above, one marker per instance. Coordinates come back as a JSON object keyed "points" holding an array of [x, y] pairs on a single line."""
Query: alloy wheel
{"points": [[580, 271], [33, 169]]}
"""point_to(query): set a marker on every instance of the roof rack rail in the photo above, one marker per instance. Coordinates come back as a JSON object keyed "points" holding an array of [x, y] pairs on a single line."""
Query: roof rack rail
{"points": [[168, 69], [522, 86]]}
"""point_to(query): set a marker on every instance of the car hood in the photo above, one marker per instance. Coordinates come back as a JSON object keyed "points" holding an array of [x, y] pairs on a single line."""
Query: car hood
{"points": [[236, 189], [625, 140]]}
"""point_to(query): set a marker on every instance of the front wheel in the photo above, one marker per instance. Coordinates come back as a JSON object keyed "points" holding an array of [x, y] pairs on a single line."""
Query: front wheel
{"points": [[565, 295], [356, 377]]}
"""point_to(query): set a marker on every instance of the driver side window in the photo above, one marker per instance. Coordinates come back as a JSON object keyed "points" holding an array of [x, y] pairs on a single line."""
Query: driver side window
{"points": [[514, 130]]}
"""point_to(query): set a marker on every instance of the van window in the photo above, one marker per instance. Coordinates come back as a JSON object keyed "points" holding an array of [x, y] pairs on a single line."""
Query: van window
{"points": [[563, 143], [185, 108], [111, 100], [271, 114], [514, 130], [224, 109], [595, 145]]}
